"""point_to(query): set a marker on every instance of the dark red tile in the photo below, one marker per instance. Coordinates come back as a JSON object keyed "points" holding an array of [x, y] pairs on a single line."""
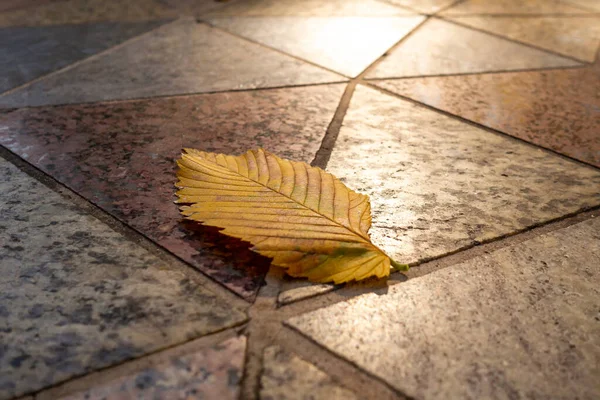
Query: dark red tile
{"points": [[558, 109], [121, 156]]}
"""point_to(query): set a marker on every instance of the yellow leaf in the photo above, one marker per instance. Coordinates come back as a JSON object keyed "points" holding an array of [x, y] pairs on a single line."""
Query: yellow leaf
{"points": [[302, 217]]}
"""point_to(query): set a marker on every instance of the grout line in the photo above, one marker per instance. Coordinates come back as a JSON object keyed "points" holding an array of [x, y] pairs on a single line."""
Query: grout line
{"points": [[566, 67], [512, 40], [206, 22], [576, 5], [449, 6], [480, 126], [75, 64], [121, 227]]}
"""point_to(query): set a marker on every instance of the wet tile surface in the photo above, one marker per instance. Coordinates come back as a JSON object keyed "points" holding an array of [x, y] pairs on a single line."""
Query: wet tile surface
{"points": [[212, 373], [295, 290], [454, 49], [577, 37], [76, 296], [424, 6], [33, 52], [503, 325], [310, 8], [87, 11], [347, 45], [288, 377], [437, 184], [178, 58], [121, 156], [559, 110], [498, 7]]}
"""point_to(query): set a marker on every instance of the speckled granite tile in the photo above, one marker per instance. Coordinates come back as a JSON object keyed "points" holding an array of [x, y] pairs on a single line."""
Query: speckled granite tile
{"points": [[559, 110], [522, 322], [453, 49], [76, 296], [578, 37], [288, 377], [293, 290], [310, 8], [87, 11], [438, 185], [498, 7], [33, 52], [121, 156], [424, 6], [344, 44], [212, 373], [178, 58]]}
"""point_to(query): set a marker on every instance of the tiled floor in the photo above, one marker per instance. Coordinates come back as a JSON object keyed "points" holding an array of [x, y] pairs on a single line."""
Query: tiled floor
{"points": [[473, 126]]}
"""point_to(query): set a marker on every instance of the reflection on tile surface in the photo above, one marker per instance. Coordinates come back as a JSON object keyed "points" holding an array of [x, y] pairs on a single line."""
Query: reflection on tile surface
{"points": [[33, 52], [559, 110], [452, 49], [521, 322], [212, 373], [577, 37], [437, 184], [344, 44], [308, 8], [76, 296], [182, 57], [424, 6], [513, 7], [121, 156], [288, 377]]}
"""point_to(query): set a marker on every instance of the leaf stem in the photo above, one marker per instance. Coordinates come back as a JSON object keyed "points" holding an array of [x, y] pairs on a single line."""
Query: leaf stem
{"points": [[397, 266]]}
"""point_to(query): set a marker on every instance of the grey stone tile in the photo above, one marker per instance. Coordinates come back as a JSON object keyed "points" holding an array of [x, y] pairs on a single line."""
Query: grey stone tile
{"points": [[309, 8], [211, 373], [438, 185], [32, 52], [346, 45], [296, 289], [76, 296], [178, 58], [577, 37], [522, 322], [453, 49], [288, 377]]}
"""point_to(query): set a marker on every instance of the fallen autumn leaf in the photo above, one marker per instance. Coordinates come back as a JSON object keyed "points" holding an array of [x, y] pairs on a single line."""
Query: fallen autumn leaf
{"points": [[302, 217]]}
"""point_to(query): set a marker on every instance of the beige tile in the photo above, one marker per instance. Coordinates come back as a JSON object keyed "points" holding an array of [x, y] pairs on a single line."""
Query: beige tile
{"points": [[577, 37], [438, 184], [591, 5], [286, 376], [310, 8], [346, 45], [424, 6], [522, 322], [76, 296], [453, 49], [212, 373], [296, 290], [498, 7]]}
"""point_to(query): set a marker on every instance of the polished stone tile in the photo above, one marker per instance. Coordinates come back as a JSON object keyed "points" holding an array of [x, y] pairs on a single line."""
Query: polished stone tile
{"points": [[33, 52], [293, 290], [453, 49], [577, 37], [121, 156], [76, 296], [559, 110], [347, 45], [87, 11], [310, 8], [498, 7], [211, 373], [178, 58], [424, 6], [438, 185], [522, 322], [286, 376]]}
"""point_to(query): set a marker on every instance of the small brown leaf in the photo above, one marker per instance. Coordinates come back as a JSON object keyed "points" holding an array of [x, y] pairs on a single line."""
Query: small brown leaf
{"points": [[302, 217]]}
